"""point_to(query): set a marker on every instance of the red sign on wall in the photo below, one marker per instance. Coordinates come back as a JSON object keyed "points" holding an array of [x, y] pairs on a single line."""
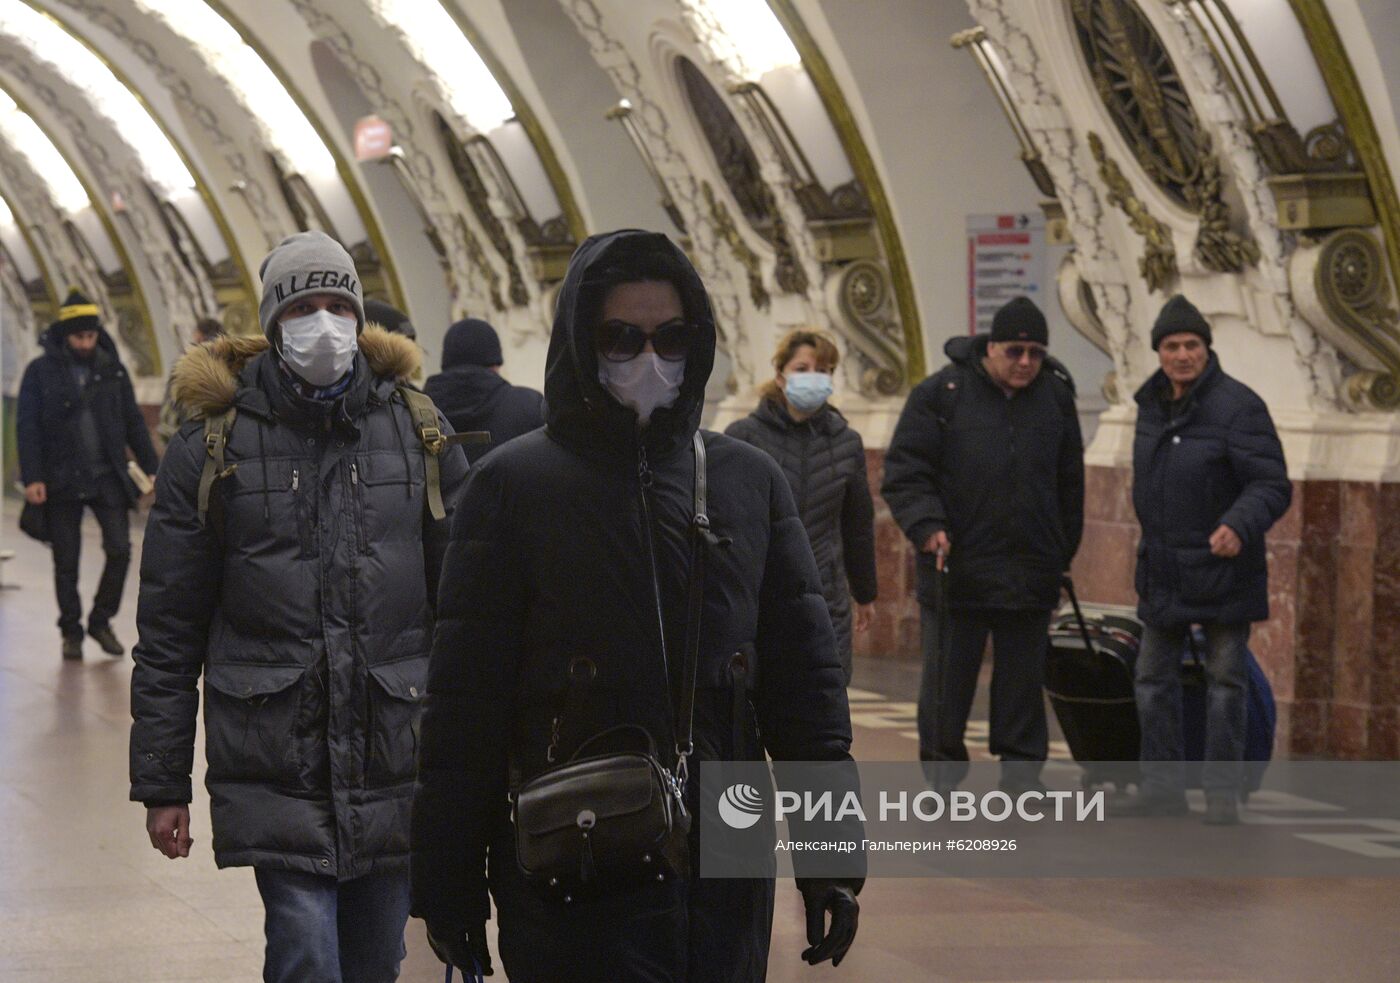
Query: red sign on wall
{"points": [[373, 138]]}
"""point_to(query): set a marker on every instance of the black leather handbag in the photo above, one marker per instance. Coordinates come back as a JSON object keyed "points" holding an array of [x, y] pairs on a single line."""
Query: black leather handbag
{"points": [[614, 815]]}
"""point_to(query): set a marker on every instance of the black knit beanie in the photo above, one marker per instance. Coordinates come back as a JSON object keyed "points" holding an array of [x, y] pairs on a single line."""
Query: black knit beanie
{"points": [[471, 342], [77, 314], [1179, 316], [1020, 320]]}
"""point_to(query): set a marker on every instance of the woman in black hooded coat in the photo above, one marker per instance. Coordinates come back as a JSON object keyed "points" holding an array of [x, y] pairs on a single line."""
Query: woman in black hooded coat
{"points": [[551, 558]]}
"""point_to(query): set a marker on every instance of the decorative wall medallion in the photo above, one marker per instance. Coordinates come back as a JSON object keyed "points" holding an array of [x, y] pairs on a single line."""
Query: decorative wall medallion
{"points": [[1354, 289], [1142, 90], [1144, 94], [1157, 265]]}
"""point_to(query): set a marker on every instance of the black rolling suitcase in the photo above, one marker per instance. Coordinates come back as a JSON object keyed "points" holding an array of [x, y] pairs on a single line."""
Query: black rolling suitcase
{"points": [[1089, 679]]}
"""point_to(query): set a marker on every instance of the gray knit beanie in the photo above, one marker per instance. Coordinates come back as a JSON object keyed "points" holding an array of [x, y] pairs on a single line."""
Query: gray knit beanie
{"points": [[307, 263]]}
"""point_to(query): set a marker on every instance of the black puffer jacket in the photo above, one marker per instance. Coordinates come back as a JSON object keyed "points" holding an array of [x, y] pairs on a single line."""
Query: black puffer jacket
{"points": [[305, 603], [823, 460], [1003, 476], [550, 559], [48, 413], [473, 397], [1216, 461]]}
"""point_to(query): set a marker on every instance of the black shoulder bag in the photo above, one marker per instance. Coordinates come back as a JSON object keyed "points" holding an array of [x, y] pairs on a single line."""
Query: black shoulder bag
{"points": [[613, 815]]}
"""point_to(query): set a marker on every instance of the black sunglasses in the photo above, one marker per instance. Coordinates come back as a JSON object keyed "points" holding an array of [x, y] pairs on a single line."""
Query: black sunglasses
{"points": [[1016, 352], [618, 341]]}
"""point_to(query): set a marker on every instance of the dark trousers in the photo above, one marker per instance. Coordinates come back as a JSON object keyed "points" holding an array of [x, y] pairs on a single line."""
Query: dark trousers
{"points": [[1158, 688], [66, 529], [952, 661]]}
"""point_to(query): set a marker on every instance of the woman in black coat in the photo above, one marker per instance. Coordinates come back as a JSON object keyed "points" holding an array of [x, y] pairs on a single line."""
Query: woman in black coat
{"points": [[572, 543], [823, 460]]}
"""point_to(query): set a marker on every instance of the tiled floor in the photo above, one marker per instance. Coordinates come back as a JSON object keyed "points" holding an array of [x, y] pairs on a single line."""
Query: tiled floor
{"points": [[83, 897]]}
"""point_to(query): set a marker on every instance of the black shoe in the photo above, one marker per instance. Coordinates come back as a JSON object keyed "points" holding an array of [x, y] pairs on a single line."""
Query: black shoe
{"points": [[107, 639], [72, 647], [1149, 804], [1221, 810]]}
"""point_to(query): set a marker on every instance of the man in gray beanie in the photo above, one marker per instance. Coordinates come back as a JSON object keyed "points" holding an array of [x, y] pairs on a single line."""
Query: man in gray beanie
{"points": [[1209, 481], [292, 559]]}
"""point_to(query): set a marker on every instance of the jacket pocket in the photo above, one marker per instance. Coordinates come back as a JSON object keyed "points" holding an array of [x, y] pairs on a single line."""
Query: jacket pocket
{"points": [[251, 713], [394, 711], [1204, 578]]}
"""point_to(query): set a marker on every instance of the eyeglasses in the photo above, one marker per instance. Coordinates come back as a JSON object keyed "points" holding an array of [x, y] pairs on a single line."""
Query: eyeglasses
{"points": [[1018, 352], [618, 341]]}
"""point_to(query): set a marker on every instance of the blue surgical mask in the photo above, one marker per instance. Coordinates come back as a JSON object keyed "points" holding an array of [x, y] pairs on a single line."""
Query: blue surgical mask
{"points": [[807, 391]]}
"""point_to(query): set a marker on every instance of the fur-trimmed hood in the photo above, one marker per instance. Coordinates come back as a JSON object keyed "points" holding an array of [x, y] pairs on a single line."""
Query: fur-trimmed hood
{"points": [[205, 379]]}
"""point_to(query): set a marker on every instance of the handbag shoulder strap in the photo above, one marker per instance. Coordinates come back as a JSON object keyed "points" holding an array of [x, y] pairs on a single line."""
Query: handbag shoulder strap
{"points": [[702, 539]]}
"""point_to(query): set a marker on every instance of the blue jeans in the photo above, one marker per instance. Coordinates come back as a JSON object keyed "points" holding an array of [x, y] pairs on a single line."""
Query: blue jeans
{"points": [[1158, 688], [320, 930]]}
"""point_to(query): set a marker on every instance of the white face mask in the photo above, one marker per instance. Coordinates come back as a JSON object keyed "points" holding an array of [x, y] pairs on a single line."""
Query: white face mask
{"points": [[319, 347], [645, 383]]}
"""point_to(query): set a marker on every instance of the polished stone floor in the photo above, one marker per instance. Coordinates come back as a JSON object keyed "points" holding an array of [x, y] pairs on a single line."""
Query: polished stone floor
{"points": [[83, 897]]}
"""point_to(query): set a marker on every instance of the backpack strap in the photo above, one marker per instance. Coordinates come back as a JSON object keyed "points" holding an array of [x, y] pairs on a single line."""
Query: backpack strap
{"points": [[216, 431], [425, 424]]}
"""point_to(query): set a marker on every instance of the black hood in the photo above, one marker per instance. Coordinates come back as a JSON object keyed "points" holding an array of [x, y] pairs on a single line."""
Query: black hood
{"points": [[966, 349], [579, 411]]}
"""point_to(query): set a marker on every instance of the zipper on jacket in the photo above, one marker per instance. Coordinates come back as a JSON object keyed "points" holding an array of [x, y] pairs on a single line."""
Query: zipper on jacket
{"points": [[296, 479], [645, 478], [358, 507]]}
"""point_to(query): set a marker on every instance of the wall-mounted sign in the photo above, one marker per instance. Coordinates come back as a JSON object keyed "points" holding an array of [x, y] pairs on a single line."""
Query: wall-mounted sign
{"points": [[373, 138], [1005, 259]]}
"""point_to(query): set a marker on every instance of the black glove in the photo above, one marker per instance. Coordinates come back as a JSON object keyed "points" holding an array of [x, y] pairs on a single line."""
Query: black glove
{"points": [[464, 948], [837, 897]]}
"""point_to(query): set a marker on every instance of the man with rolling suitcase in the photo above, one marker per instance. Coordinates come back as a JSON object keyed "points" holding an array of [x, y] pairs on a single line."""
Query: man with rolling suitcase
{"points": [[1209, 481], [986, 472]]}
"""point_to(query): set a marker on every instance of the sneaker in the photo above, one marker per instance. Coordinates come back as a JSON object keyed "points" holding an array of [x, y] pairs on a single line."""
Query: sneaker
{"points": [[72, 647], [1149, 804], [107, 639], [1221, 810]]}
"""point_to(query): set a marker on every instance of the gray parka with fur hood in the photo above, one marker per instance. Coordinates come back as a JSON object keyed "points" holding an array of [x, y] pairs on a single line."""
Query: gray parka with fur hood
{"points": [[305, 602]]}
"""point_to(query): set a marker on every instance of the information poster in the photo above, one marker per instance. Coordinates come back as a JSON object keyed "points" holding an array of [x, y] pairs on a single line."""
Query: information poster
{"points": [[1005, 259]]}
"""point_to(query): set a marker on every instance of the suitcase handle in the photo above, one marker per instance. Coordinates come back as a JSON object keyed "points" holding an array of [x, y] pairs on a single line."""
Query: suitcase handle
{"points": [[1068, 585]]}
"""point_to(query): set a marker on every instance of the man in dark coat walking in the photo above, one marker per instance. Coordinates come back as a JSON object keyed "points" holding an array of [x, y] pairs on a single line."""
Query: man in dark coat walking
{"points": [[1209, 480], [473, 395], [292, 559], [572, 542], [986, 474], [77, 417]]}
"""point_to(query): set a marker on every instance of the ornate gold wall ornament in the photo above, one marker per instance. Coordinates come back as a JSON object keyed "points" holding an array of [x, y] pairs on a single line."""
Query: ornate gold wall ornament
{"points": [[1157, 265], [1218, 247], [1142, 90], [1350, 100], [729, 234], [788, 273], [476, 256], [863, 164], [1341, 286], [861, 292], [477, 196], [733, 154]]}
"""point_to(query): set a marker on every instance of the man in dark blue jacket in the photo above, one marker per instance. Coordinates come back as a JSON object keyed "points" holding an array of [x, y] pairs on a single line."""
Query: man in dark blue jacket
{"points": [[986, 470], [77, 416], [1208, 482], [472, 394]]}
